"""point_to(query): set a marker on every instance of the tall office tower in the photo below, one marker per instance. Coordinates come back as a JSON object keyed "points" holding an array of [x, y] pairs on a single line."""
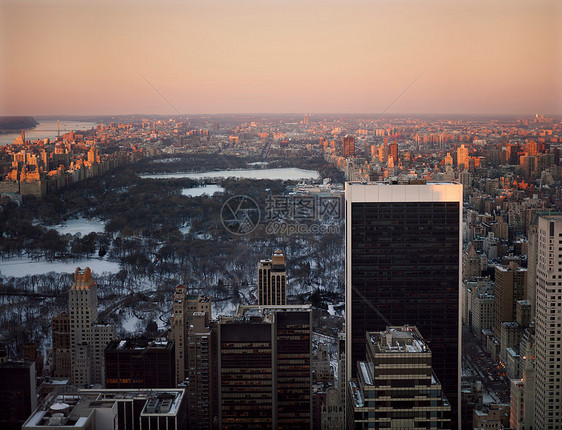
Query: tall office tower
{"points": [[140, 363], [462, 156], [509, 287], [548, 320], [201, 392], [60, 327], [18, 397], [403, 252], [88, 338], [183, 308], [272, 280], [348, 143], [396, 386], [264, 368]]}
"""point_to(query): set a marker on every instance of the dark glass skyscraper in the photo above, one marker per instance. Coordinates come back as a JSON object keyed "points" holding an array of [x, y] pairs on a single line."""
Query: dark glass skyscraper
{"points": [[403, 251], [264, 374]]}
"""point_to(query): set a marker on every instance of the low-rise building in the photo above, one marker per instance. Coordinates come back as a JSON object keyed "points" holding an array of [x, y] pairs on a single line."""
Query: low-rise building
{"points": [[109, 409]]}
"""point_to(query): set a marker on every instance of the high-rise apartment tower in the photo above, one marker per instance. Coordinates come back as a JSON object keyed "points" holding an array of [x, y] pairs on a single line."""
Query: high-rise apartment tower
{"points": [[348, 146], [183, 308], [88, 338], [272, 280]]}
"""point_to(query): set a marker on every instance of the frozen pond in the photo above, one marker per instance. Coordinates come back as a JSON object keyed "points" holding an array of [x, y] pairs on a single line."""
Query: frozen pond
{"points": [[18, 267], [81, 225], [289, 173], [208, 190]]}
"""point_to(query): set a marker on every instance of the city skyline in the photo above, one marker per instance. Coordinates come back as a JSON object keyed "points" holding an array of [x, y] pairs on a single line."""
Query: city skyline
{"points": [[348, 57], [368, 222]]}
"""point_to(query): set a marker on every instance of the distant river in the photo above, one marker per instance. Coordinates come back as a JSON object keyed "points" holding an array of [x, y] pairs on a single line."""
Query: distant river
{"points": [[289, 173], [47, 129]]}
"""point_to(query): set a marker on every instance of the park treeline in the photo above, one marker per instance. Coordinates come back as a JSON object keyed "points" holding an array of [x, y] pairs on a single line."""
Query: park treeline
{"points": [[151, 211]]}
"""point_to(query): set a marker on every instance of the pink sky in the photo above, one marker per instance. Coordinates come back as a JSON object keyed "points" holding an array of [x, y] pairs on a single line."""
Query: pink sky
{"points": [[216, 56]]}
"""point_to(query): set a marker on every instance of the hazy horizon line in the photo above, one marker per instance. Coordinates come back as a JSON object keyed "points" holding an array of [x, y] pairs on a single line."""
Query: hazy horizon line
{"points": [[310, 114]]}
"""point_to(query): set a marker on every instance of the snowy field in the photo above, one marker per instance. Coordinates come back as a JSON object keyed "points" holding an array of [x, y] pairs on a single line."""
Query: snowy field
{"points": [[166, 160], [131, 323], [290, 173], [18, 267], [80, 225], [207, 190]]}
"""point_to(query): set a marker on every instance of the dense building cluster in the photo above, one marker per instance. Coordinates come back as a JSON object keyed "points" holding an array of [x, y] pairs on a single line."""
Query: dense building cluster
{"points": [[453, 289], [44, 166]]}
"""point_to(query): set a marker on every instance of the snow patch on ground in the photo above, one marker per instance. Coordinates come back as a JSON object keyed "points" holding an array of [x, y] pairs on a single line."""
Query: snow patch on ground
{"points": [[333, 311], [203, 236], [207, 190], [80, 225], [163, 320], [130, 323], [18, 267], [225, 308], [166, 160]]}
